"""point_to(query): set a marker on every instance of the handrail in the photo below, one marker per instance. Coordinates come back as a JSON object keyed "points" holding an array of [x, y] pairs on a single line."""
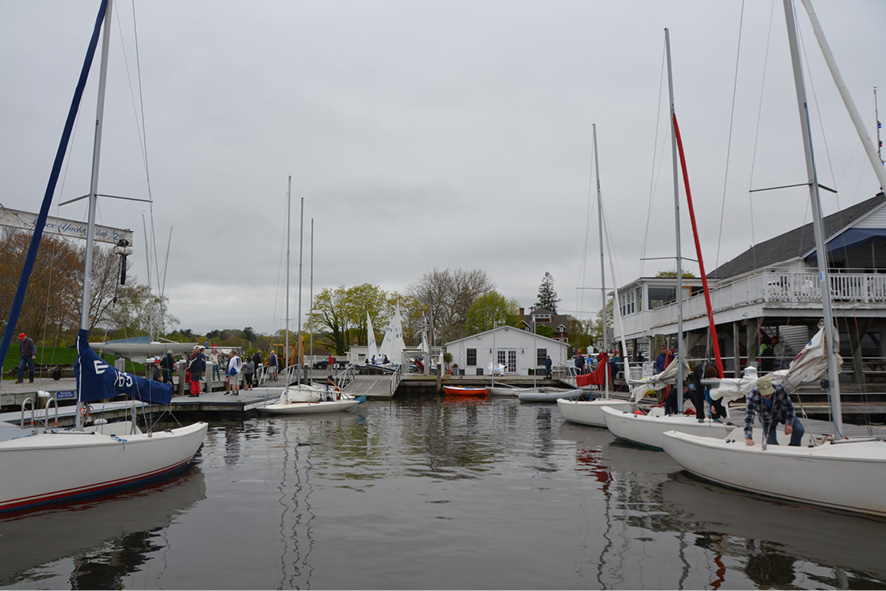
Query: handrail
{"points": [[396, 377], [24, 404], [46, 412]]}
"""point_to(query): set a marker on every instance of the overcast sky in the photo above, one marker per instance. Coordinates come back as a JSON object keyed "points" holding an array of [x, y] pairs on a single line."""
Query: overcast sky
{"points": [[430, 134]]}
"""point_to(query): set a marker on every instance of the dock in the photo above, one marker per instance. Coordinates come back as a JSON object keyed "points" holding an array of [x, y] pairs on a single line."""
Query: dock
{"points": [[860, 411]]}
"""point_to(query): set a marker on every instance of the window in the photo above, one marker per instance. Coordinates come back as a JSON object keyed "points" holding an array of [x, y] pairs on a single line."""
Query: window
{"points": [[628, 303], [472, 357], [541, 355], [542, 317]]}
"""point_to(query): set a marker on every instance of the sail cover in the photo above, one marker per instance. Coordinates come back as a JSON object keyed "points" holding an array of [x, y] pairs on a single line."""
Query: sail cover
{"points": [[96, 380]]}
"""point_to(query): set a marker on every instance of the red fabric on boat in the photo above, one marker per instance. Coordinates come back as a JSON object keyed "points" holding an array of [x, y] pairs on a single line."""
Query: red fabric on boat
{"points": [[598, 377]]}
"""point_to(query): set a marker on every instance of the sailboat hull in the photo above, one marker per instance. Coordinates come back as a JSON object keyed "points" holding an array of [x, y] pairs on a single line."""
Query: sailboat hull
{"points": [[52, 467], [590, 412], [648, 430], [309, 408], [845, 475]]}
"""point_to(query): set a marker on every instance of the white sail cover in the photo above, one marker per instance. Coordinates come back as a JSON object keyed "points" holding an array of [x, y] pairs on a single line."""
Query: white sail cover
{"points": [[398, 344], [810, 365], [668, 377], [372, 348]]}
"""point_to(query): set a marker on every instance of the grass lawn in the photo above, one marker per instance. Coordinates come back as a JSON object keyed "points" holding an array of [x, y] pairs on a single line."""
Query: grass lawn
{"points": [[63, 356]]}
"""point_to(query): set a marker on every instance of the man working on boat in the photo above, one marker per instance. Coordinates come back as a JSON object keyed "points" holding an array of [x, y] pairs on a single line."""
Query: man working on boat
{"points": [[774, 406]]}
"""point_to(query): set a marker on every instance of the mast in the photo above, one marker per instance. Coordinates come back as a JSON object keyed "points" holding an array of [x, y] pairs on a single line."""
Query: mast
{"points": [[824, 279], [677, 226], [844, 92], [311, 288], [93, 187], [288, 217], [704, 278], [879, 125], [301, 241], [602, 265]]}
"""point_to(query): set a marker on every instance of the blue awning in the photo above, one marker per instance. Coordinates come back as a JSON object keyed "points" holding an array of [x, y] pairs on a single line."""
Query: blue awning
{"points": [[852, 238]]}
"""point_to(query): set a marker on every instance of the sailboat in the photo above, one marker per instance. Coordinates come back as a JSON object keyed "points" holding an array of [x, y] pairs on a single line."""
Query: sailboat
{"points": [[298, 398], [647, 430], [590, 412], [372, 348], [49, 466], [839, 473]]}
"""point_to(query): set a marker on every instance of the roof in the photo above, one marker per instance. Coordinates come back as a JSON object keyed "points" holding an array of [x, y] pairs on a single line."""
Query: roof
{"points": [[517, 330], [796, 243]]}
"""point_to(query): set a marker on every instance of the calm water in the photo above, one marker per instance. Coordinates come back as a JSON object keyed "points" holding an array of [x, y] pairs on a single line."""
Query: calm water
{"points": [[432, 494]]}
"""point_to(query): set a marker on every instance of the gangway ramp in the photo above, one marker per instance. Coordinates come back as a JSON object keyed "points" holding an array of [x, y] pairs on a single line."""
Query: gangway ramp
{"points": [[372, 386]]}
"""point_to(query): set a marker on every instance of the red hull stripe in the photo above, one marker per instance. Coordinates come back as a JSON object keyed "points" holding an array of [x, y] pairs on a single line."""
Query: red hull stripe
{"points": [[94, 489]]}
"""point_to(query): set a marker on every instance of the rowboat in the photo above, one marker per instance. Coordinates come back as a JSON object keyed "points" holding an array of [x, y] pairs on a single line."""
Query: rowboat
{"points": [[465, 391]]}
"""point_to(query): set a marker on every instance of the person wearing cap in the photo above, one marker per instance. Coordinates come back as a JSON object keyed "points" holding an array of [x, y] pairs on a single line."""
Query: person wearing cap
{"points": [[28, 353], [196, 369], [774, 406]]}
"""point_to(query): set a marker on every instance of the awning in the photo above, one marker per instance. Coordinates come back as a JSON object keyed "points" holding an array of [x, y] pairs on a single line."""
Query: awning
{"points": [[851, 238]]}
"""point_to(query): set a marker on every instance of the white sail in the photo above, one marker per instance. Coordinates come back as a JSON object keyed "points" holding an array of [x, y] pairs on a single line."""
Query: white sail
{"points": [[372, 348], [397, 344]]}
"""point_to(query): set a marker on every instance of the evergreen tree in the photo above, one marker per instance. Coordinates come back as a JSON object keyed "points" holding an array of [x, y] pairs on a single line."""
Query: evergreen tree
{"points": [[547, 296]]}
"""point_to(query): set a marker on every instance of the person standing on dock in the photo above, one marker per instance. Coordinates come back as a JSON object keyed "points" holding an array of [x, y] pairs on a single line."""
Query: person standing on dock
{"points": [[548, 366], [233, 374], [167, 367], [27, 354], [196, 369], [248, 372], [213, 360], [272, 366], [330, 361]]}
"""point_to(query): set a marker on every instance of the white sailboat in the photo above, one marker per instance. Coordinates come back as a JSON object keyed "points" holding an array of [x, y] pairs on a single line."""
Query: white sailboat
{"points": [[372, 348], [50, 466], [647, 430], [590, 412], [839, 473], [299, 398]]}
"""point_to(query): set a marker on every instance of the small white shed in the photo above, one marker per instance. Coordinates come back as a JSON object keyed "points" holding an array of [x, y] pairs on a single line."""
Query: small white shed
{"points": [[518, 350]]}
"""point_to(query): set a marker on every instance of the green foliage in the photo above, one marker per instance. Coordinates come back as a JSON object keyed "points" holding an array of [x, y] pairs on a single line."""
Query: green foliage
{"points": [[489, 310], [686, 274], [544, 330], [339, 315], [547, 296]]}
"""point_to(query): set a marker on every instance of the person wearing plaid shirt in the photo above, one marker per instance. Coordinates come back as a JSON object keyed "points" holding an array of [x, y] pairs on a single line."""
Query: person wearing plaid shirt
{"points": [[774, 406]]}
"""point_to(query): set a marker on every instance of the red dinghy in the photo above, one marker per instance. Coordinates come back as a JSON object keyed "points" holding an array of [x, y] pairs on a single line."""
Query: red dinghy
{"points": [[465, 391]]}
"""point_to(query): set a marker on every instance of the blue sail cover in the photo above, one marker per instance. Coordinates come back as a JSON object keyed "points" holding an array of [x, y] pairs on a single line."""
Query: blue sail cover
{"points": [[96, 380]]}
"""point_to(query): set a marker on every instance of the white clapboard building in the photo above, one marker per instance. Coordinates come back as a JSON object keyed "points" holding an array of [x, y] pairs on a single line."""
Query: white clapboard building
{"points": [[517, 350]]}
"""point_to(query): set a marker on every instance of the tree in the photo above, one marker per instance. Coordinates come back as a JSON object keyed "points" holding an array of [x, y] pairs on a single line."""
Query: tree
{"points": [[51, 304], [547, 297], [448, 296], [340, 314], [582, 333], [137, 311], [490, 310]]}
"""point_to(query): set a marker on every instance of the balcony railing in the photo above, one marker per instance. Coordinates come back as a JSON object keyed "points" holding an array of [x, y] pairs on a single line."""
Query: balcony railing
{"points": [[771, 287]]}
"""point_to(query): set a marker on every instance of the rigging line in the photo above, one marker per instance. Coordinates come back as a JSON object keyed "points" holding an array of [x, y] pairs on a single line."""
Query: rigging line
{"points": [[818, 112], [144, 137], [729, 139], [757, 132], [583, 268], [653, 176]]}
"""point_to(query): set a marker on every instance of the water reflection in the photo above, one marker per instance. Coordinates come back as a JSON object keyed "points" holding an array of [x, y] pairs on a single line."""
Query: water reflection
{"points": [[106, 538], [772, 536], [420, 493]]}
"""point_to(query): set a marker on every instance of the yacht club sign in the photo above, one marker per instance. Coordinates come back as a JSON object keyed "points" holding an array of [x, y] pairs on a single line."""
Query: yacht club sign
{"points": [[61, 227]]}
